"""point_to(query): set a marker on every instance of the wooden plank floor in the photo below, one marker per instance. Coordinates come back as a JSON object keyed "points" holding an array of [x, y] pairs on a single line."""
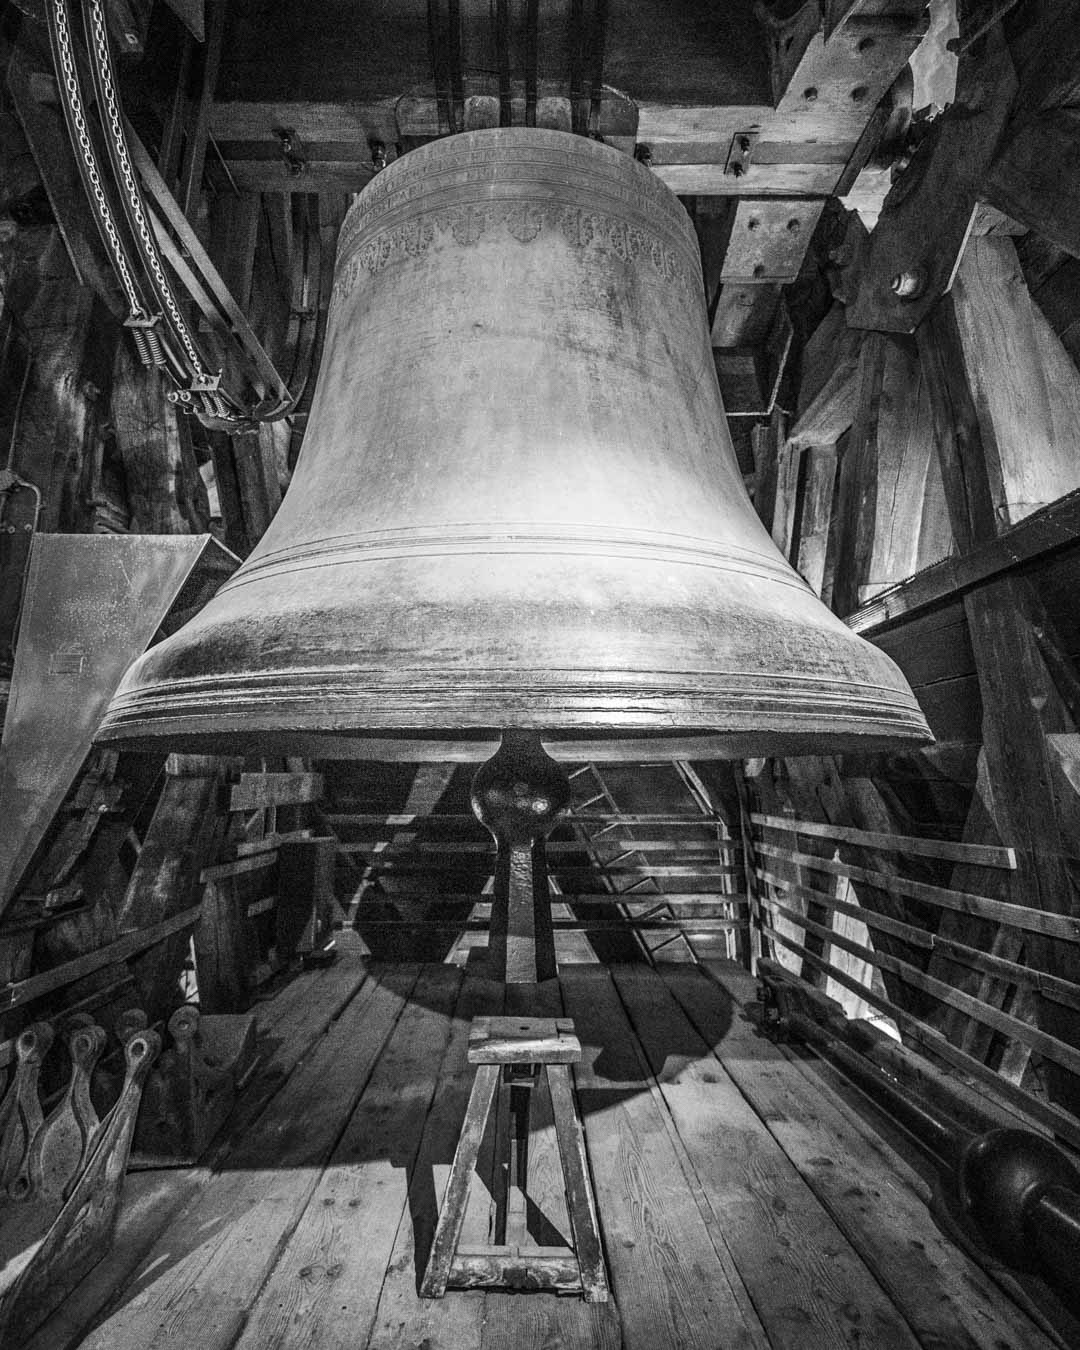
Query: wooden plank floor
{"points": [[743, 1200]]}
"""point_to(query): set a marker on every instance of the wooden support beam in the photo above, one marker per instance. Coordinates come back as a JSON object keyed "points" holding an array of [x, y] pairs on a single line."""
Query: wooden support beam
{"points": [[895, 462], [1023, 383], [828, 390], [744, 313], [789, 463], [1020, 707], [257, 790], [234, 230], [856, 506], [35, 97], [768, 239], [165, 491], [128, 21], [841, 77], [178, 844], [199, 129], [769, 440], [811, 546], [23, 991], [803, 140], [278, 212], [259, 489], [1035, 176], [920, 235]]}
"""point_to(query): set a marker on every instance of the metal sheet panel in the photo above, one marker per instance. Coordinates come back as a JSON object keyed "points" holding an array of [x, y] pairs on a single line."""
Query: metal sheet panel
{"points": [[92, 604]]}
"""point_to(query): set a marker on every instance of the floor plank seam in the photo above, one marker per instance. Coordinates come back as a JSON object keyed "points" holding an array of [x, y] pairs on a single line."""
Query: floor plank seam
{"points": [[713, 1222], [221, 1157], [993, 1271], [892, 1163]]}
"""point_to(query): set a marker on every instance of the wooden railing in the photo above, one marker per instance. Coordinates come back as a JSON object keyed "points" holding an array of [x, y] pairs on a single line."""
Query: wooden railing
{"points": [[784, 898]]}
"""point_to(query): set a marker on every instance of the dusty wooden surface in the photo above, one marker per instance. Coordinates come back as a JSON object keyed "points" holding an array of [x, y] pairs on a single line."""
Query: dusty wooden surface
{"points": [[743, 1199]]}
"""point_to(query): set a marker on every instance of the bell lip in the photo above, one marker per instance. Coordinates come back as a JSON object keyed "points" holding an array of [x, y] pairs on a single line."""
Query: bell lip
{"points": [[476, 744]]}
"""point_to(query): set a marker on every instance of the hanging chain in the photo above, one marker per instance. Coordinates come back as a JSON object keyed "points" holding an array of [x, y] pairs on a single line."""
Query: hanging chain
{"points": [[201, 393], [119, 142], [74, 104]]}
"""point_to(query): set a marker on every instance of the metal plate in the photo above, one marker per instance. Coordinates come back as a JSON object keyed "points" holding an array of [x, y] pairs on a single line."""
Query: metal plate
{"points": [[92, 603], [769, 238]]}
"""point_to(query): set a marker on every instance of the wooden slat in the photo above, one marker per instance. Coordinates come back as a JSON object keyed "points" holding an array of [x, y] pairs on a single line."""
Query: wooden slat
{"points": [[25, 991], [238, 867], [1062, 991], [841, 1156], [670, 1286], [197, 1284], [988, 855], [325, 1286], [813, 1290], [620, 925], [459, 870], [1017, 916], [1012, 1027], [387, 846], [1052, 1117], [571, 818], [573, 897], [256, 790], [270, 841]]}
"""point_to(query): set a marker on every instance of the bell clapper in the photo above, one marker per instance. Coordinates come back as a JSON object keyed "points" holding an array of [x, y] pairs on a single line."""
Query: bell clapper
{"points": [[518, 795]]}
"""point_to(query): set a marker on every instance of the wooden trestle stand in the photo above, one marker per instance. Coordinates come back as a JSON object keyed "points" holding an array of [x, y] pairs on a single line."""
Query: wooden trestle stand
{"points": [[514, 1050], [518, 795]]}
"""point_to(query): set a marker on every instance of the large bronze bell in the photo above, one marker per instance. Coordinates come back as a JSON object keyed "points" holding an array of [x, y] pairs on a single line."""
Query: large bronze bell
{"points": [[517, 505]]}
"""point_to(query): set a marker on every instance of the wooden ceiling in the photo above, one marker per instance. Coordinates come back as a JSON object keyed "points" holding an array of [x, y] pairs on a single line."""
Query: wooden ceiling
{"points": [[695, 75]]}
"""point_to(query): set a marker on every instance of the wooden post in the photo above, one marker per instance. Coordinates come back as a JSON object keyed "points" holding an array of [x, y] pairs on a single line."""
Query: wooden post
{"points": [[165, 492], [224, 952], [176, 848], [305, 908], [786, 505], [993, 470], [811, 547], [256, 469], [1023, 383]]}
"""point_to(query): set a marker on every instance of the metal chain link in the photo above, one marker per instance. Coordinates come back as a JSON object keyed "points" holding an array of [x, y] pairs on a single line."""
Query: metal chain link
{"points": [[74, 103], [112, 109]]}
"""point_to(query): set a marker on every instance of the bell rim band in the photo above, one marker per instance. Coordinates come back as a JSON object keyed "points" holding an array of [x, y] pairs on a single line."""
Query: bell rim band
{"points": [[511, 539], [716, 703]]}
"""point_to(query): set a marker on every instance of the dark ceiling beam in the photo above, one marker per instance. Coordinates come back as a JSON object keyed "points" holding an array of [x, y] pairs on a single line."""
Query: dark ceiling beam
{"points": [[801, 144]]}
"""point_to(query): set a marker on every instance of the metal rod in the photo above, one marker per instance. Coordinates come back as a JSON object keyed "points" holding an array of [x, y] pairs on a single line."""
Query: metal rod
{"points": [[1018, 1189]]}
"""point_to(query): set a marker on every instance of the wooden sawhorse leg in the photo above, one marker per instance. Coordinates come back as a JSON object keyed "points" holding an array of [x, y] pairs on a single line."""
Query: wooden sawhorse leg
{"points": [[505, 1043]]}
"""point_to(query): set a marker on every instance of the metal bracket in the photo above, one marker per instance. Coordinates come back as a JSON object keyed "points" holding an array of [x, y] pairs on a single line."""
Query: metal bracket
{"points": [[294, 165], [740, 153]]}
